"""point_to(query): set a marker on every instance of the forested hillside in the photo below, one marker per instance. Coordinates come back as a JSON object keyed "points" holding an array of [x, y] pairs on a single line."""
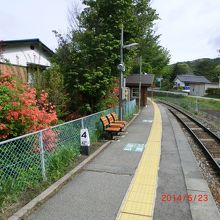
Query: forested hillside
{"points": [[210, 68]]}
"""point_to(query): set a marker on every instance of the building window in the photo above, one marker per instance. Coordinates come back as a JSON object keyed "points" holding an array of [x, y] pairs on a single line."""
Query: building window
{"points": [[135, 92]]}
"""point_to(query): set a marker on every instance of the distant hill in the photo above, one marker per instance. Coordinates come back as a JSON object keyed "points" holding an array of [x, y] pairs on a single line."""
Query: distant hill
{"points": [[210, 68]]}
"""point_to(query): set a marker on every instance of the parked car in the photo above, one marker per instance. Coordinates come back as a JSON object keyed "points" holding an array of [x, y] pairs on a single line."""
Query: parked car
{"points": [[186, 89]]}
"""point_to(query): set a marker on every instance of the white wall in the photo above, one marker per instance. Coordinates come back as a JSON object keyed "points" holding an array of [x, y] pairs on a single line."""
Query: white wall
{"points": [[212, 85], [21, 55], [179, 83]]}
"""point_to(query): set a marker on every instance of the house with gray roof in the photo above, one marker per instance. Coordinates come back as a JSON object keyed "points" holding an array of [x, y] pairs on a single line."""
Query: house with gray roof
{"points": [[197, 84], [144, 81]]}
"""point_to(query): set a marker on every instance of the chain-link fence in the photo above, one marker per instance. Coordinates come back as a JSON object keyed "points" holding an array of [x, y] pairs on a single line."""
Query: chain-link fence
{"points": [[27, 160], [129, 108], [195, 105]]}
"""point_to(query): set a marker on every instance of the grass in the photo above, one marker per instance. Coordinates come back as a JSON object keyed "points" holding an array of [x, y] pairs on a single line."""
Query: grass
{"points": [[189, 103], [25, 182], [29, 179], [58, 162], [14, 196], [128, 117], [213, 96], [209, 104]]}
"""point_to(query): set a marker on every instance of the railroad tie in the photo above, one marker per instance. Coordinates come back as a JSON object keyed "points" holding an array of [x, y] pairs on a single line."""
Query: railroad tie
{"points": [[206, 139], [200, 129]]}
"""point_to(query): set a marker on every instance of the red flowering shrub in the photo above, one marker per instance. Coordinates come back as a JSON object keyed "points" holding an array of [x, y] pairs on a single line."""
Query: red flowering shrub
{"points": [[116, 88], [20, 111]]}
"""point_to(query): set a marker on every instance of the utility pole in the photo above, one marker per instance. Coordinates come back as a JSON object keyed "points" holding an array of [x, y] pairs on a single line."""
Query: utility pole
{"points": [[219, 80], [197, 107], [140, 60], [121, 69]]}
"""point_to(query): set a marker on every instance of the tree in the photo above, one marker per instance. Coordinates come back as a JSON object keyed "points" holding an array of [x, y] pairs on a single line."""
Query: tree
{"points": [[216, 73], [155, 57], [217, 69], [210, 68], [206, 67], [89, 55], [87, 69], [181, 68], [178, 69], [51, 80]]}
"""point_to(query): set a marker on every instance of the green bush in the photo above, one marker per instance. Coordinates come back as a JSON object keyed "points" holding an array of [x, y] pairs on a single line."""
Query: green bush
{"points": [[213, 92], [51, 81]]}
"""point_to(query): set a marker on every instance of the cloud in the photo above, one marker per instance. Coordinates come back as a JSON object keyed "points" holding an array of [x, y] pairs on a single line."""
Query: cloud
{"points": [[215, 42], [190, 29]]}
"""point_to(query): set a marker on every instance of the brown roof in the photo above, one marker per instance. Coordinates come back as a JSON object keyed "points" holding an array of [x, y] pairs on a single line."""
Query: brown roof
{"points": [[146, 79]]}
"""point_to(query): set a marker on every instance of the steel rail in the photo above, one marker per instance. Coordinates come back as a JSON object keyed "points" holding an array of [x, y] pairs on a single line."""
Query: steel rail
{"points": [[215, 137], [207, 152], [194, 120]]}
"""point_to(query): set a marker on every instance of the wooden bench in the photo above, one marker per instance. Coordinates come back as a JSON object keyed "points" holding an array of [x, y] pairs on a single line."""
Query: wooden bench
{"points": [[111, 129], [115, 117], [112, 122]]}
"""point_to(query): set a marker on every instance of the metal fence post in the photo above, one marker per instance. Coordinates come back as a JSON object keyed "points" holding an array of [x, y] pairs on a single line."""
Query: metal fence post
{"points": [[197, 109], [129, 108], [42, 159], [82, 123]]}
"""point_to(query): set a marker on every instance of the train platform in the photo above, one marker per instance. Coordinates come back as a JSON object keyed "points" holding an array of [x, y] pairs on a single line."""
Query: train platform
{"points": [[148, 173]]}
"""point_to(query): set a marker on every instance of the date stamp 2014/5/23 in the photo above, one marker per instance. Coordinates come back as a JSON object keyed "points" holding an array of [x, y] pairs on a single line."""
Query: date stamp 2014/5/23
{"points": [[166, 197]]}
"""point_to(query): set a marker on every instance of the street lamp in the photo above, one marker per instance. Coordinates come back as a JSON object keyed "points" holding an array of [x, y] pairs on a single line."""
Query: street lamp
{"points": [[128, 46], [121, 68], [140, 72]]}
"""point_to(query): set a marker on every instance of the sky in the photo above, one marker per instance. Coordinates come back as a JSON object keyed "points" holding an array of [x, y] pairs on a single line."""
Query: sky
{"points": [[190, 29], [26, 19]]}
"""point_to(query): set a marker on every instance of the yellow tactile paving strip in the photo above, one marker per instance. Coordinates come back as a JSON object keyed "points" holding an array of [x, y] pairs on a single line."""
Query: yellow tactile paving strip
{"points": [[139, 201]]}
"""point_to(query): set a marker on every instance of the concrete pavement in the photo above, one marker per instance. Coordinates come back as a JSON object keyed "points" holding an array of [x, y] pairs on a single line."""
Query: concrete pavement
{"points": [[179, 177], [97, 192]]}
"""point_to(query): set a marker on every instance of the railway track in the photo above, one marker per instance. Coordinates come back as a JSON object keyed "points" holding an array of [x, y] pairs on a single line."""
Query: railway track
{"points": [[209, 142]]}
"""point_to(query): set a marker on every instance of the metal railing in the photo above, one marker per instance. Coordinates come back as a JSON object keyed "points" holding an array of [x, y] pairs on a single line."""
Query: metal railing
{"points": [[166, 93], [27, 160]]}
